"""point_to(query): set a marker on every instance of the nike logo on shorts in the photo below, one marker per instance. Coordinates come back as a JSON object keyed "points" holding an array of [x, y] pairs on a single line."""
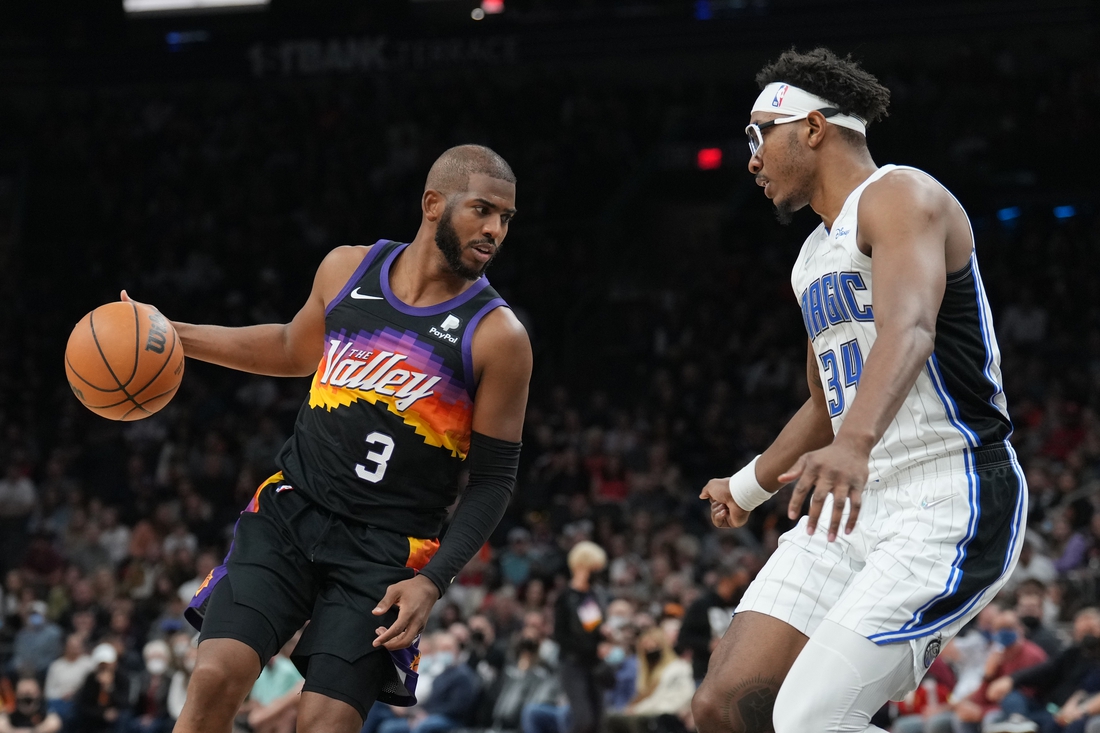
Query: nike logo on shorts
{"points": [[925, 504]]}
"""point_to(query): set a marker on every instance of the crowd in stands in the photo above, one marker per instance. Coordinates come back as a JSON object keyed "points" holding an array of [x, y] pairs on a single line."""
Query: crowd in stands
{"points": [[600, 598]]}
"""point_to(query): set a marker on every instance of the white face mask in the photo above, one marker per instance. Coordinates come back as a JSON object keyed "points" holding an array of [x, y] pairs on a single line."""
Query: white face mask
{"points": [[156, 665], [445, 659]]}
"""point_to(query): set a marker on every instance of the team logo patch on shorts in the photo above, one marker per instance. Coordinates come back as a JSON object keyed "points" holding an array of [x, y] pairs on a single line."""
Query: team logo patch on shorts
{"points": [[931, 652]]}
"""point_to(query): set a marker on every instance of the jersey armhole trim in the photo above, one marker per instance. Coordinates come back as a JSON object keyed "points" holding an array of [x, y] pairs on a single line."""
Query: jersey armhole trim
{"points": [[358, 274], [468, 343]]}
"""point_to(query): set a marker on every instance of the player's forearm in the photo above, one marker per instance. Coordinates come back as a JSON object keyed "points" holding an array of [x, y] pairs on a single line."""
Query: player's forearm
{"points": [[808, 430], [256, 349], [888, 376]]}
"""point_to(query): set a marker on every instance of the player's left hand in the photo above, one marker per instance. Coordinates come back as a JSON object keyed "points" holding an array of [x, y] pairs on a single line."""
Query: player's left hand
{"points": [[837, 469], [414, 599]]}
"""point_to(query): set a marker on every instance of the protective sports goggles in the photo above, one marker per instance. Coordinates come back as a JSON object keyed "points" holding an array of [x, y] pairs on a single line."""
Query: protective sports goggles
{"points": [[755, 132]]}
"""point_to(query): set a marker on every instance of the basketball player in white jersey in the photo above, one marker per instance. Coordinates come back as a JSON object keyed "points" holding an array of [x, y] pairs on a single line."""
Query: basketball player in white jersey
{"points": [[917, 502]]}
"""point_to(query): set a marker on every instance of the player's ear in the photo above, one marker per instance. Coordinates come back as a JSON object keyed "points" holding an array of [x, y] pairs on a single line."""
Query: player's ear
{"points": [[815, 129], [433, 203]]}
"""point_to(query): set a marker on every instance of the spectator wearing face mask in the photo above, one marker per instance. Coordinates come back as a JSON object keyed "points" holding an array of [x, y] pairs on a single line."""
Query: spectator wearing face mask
{"points": [[30, 714], [1055, 680], [37, 644], [1010, 652], [104, 695], [65, 676], [665, 686], [454, 696], [150, 709], [525, 682], [1029, 607]]}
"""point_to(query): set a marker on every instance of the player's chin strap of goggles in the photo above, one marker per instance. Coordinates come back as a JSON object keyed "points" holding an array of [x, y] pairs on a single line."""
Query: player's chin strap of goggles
{"points": [[787, 99]]}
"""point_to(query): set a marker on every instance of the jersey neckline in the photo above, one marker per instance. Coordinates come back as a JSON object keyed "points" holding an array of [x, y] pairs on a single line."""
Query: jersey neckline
{"points": [[427, 310]]}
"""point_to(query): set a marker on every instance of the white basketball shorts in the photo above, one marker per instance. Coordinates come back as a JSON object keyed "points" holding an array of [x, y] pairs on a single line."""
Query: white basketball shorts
{"points": [[932, 546]]}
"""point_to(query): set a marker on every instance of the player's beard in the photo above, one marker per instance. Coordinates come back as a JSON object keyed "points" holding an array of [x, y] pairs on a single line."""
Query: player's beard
{"points": [[793, 170], [446, 238]]}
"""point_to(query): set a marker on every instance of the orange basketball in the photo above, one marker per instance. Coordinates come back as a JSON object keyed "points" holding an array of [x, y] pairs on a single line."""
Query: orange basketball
{"points": [[124, 361]]}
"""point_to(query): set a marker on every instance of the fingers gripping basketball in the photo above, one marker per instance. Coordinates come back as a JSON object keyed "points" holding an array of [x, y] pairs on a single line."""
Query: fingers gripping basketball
{"points": [[124, 361]]}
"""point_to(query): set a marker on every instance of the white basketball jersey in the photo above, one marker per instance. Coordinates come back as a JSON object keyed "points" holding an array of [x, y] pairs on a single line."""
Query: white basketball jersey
{"points": [[957, 402]]}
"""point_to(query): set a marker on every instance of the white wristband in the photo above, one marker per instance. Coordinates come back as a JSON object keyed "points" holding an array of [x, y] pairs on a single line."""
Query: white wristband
{"points": [[746, 490]]}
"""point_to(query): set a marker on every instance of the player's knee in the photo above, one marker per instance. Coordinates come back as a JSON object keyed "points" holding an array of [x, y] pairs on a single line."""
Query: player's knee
{"points": [[214, 680], [706, 710]]}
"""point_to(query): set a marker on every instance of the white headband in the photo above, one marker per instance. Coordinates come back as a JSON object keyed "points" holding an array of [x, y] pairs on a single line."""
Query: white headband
{"points": [[790, 100]]}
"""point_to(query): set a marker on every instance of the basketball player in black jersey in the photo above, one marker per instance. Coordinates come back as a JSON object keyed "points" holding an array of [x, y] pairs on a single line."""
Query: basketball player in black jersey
{"points": [[418, 369]]}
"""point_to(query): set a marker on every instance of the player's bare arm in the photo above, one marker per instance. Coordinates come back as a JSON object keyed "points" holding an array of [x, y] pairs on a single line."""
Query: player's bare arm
{"points": [[502, 363], [903, 221], [276, 349], [807, 430]]}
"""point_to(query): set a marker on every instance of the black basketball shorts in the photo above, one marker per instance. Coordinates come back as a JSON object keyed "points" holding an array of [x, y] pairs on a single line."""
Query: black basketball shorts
{"points": [[292, 561]]}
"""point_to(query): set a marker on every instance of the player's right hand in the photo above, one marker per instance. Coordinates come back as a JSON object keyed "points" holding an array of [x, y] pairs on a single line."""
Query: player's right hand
{"points": [[724, 511]]}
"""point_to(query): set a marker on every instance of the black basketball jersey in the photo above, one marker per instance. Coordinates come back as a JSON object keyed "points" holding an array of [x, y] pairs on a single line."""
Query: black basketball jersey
{"points": [[387, 425]]}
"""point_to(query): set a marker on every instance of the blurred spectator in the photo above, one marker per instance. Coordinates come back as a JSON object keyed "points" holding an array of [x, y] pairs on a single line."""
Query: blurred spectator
{"points": [[1009, 653], [37, 644], [516, 560], [665, 686], [31, 714], [114, 537], [1036, 691], [17, 501], [66, 675], [1073, 531], [105, 695], [578, 621], [707, 619], [1029, 607], [526, 682], [272, 705], [204, 564], [184, 655], [149, 713], [453, 699]]}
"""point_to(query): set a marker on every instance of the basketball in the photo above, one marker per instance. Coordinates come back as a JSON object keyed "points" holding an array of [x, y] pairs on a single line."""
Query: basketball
{"points": [[124, 361]]}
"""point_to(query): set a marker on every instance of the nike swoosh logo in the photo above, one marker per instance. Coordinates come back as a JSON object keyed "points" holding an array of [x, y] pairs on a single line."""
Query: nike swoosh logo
{"points": [[358, 296], [925, 504]]}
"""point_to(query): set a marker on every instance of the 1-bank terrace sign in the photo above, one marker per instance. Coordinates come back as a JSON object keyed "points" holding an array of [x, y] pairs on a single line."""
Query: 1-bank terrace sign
{"points": [[321, 56]]}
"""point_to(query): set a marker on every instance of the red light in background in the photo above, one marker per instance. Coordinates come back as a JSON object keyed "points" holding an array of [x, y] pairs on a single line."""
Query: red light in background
{"points": [[492, 7], [709, 159]]}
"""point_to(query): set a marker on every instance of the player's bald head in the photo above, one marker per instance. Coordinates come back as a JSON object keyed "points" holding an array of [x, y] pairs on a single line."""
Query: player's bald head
{"points": [[451, 171]]}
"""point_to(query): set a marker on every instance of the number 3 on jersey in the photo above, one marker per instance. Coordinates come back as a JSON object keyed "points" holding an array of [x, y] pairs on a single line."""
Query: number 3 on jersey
{"points": [[380, 458], [851, 360]]}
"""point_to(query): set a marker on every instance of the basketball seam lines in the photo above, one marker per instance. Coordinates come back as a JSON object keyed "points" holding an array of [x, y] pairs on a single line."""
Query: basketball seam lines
{"points": [[91, 324], [82, 378], [137, 344]]}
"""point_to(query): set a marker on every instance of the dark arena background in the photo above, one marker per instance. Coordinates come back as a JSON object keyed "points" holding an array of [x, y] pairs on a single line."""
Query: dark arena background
{"points": [[206, 160]]}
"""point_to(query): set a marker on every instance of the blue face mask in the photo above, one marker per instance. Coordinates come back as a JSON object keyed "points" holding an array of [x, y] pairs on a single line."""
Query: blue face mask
{"points": [[1006, 637], [615, 656]]}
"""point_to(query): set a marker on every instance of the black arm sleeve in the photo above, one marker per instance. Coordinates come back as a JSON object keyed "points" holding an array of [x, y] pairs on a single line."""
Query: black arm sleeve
{"points": [[493, 466]]}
